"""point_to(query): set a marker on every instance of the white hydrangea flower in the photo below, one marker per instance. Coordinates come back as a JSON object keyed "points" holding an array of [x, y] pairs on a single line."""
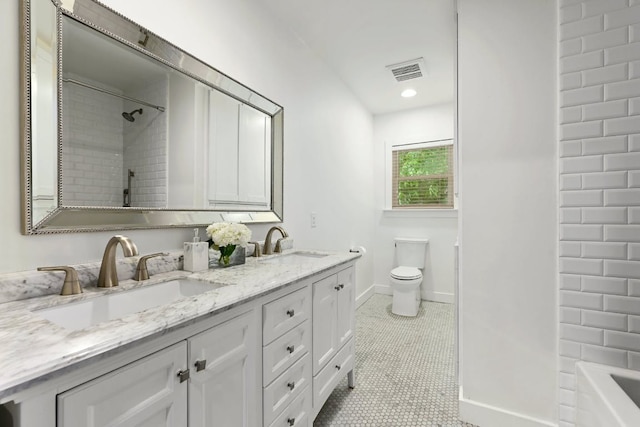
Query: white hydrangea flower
{"points": [[229, 233]]}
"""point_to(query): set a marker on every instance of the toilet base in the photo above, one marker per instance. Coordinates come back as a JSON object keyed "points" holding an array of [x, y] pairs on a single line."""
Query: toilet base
{"points": [[406, 303]]}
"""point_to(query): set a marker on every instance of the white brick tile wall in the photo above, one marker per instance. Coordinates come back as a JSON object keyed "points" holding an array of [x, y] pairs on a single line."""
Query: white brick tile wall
{"points": [[629, 197], [604, 320], [581, 232], [620, 18], [601, 250], [593, 8], [622, 304], [571, 13], [582, 28], [626, 53], [604, 215], [604, 285], [571, 182], [604, 180], [582, 334], [582, 130], [570, 148], [606, 39], [570, 216], [607, 145], [570, 282], [581, 198], [621, 233], [625, 161], [582, 164], [570, 315], [585, 95], [604, 110], [570, 115], [607, 356], [611, 74], [583, 300], [622, 340]]}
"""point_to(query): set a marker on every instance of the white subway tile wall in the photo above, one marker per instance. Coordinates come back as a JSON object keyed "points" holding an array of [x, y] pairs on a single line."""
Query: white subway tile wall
{"points": [[145, 147], [91, 147], [599, 189]]}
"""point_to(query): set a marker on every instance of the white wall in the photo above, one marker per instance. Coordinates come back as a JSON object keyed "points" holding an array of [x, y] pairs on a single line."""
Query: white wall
{"points": [[322, 118], [599, 194], [508, 221], [416, 125]]}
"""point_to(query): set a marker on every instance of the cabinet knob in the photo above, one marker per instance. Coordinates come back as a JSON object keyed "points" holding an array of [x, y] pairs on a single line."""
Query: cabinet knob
{"points": [[341, 285], [337, 288], [291, 421], [200, 365], [291, 385], [291, 312], [183, 375], [338, 367], [291, 348]]}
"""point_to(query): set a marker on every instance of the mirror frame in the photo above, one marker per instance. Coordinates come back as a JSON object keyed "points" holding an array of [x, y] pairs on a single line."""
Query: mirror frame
{"points": [[66, 219]]}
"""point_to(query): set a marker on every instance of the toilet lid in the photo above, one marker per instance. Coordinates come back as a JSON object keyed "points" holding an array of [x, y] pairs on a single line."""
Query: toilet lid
{"points": [[406, 273]]}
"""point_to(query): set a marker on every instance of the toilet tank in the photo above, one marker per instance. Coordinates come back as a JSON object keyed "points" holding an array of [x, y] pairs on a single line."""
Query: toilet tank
{"points": [[411, 252]]}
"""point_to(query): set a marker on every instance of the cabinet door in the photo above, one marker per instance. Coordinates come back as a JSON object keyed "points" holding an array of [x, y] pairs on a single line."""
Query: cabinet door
{"points": [[346, 305], [146, 393], [225, 390], [325, 314]]}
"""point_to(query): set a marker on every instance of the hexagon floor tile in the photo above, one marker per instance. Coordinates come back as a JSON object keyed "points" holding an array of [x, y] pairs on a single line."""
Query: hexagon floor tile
{"points": [[405, 372]]}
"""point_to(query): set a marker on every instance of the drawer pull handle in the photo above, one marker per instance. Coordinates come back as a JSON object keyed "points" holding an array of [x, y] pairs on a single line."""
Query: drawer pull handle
{"points": [[291, 385], [291, 421], [338, 367], [291, 312], [183, 375], [200, 365], [291, 348]]}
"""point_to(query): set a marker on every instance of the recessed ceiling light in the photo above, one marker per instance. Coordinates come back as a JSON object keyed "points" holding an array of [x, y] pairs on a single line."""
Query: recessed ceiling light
{"points": [[408, 93]]}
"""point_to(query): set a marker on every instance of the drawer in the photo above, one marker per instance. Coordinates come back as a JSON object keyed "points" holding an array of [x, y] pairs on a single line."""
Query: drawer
{"points": [[284, 389], [284, 351], [298, 413], [329, 377], [281, 315]]}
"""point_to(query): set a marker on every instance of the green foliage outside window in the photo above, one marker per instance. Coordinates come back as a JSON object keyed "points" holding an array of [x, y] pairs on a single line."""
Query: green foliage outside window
{"points": [[423, 177]]}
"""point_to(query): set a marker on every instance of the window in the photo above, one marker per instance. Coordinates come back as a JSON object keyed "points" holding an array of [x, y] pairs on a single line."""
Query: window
{"points": [[422, 175]]}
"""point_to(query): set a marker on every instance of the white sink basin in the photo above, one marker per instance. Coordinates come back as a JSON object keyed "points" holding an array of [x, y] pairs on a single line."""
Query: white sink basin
{"points": [[82, 314], [293, 258]]}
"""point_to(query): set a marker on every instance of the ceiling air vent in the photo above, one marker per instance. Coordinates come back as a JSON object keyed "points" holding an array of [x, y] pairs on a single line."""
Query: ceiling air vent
{"points": [[408, 70]]}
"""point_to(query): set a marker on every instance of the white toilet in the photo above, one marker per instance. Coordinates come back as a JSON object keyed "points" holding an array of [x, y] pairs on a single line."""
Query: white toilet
{"points": [[407, 276]]}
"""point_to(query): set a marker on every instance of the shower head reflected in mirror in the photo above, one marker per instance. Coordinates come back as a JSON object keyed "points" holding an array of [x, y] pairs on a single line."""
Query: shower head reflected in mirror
{"points": [[129, 116]]}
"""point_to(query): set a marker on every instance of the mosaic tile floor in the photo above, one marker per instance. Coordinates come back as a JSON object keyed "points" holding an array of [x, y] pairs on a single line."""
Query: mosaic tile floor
{"points": [[405, 373]]}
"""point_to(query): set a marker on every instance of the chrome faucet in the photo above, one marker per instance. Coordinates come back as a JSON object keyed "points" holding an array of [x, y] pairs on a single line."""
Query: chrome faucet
{"points": [[108, 273], [267, 240]]}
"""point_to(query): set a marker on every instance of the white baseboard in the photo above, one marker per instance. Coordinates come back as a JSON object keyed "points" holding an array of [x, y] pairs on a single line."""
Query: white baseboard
{"points": [[363, 297], [426, 295], [485, 415]]}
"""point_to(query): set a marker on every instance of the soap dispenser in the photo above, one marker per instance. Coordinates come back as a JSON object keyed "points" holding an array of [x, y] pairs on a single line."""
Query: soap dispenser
{"points": [[196, 254]]}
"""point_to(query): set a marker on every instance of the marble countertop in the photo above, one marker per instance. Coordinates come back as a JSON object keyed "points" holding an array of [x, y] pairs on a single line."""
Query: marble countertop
{"points": [[34, 349]]}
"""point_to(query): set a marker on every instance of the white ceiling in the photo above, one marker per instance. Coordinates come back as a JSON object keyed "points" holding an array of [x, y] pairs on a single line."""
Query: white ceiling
{"points": [[359, 38]]}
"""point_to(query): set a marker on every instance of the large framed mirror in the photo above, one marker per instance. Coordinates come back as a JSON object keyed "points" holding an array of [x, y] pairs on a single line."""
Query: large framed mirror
{"points": [[123, 130]]}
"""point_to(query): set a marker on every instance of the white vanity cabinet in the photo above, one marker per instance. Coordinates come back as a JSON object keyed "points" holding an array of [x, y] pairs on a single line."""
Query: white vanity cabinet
{"points": [[209, 379], [286, 360], [144, 393], [333, 330]]}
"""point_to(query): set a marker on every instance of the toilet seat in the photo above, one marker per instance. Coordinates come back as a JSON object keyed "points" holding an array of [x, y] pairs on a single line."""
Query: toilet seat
{"points": [[406, 273]]}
